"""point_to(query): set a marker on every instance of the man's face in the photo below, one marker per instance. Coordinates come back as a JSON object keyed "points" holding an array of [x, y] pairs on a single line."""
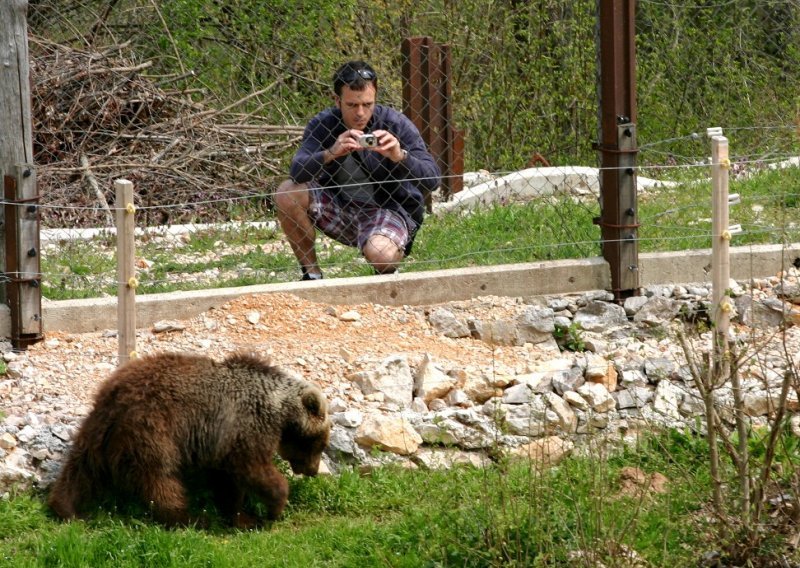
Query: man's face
{"points": [[357, 106]]}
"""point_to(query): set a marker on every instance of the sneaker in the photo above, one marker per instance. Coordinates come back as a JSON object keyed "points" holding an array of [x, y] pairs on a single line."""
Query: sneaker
{"points": [[394, 271]]}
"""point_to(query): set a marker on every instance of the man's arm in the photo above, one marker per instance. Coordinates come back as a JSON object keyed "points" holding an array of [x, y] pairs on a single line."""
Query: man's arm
{"points": [[311, 156], [417, 165]]}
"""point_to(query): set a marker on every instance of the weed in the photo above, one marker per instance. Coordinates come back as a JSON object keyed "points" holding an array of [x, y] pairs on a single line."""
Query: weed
{"points": [[570, 337]]}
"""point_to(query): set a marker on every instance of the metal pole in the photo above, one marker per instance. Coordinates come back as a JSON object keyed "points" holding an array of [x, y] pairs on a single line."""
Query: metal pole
{"points": [[618, 205]]}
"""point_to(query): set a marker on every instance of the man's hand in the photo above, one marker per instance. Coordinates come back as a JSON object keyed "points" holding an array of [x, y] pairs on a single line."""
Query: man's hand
{"points": [[388, 145], [345, 143]]}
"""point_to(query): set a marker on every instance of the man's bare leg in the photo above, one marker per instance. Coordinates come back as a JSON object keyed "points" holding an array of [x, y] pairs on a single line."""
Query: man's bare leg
{"points": [[292, 201], [382, 254]]}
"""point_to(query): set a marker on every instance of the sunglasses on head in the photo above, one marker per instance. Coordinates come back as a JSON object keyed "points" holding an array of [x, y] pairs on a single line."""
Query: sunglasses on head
{"points": [[352, 75]]}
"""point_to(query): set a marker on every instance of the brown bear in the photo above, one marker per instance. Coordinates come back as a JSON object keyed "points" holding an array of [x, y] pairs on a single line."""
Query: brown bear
{"points": [[157, 418]]}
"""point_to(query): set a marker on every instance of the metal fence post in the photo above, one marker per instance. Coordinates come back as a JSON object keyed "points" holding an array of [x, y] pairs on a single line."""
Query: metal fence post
{"points": [[427, 101], [618, 212]]}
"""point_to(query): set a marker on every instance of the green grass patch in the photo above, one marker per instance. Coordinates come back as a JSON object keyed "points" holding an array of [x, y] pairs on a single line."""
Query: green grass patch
{"points": [[507, 514], [680, 218], [557, 227]]}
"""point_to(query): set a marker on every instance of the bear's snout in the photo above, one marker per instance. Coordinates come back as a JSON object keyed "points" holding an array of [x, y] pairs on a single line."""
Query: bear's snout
{"points": [[306, 469], [309, 467]]}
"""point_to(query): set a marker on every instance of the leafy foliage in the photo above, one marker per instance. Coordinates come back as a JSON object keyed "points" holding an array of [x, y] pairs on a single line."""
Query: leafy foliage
{"points": [[524, 73]]}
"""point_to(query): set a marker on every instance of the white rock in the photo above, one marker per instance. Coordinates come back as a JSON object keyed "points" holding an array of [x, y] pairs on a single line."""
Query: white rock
{"points": [[566, 416], [336, 404], [391, 434], [518, 394], [576, 400], [668, 399], [431, 381], [457, 397], [418, 405], [597, 396], [27, 434], [348, 418], [7, 441]]}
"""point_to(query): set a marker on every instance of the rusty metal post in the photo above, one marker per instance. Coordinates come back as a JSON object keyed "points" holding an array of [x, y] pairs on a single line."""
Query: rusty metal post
{"points": [[452, 138], [434, 117], [427, 102], [21, 232], [618, 205], [415, 82]]}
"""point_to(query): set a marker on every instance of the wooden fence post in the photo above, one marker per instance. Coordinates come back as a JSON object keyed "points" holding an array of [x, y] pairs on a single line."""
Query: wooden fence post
{"points": [[126, 271], [720, 254], [723, 307], [19, 249]]}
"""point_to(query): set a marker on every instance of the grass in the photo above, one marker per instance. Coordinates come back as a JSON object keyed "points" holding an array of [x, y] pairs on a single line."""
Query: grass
{"points": [[507, 514], [679, 218], [674, 218]]}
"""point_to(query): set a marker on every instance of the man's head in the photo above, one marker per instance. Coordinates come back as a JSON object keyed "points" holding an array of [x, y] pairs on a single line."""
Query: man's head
{"points": [[356, 85], [356, 75]]}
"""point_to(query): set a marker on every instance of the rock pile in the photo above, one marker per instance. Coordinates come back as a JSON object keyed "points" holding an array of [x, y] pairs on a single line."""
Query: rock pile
{"points": [[630, 375], [596, 370]]}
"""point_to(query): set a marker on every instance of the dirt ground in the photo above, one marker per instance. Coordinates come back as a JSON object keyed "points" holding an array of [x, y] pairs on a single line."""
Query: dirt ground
{"points": [[324, 343]]}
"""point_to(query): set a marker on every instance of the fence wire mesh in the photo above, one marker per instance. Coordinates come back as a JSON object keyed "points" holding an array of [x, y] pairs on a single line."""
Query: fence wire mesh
{"points": [[203, 104]]}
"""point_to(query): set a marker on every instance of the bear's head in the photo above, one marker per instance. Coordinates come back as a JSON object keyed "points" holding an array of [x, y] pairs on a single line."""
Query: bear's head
{"points": [[306, 435]]}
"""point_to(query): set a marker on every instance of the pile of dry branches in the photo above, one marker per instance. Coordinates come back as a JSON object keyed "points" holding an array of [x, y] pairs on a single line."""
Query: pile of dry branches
{"points": [[97, 117]]}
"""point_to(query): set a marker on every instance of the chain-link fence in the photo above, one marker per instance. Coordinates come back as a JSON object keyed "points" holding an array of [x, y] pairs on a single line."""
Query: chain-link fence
{"points": [[203, 106]]}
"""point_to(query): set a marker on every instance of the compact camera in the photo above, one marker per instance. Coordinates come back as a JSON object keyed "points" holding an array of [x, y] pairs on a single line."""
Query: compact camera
{"points": [[368, 140]]}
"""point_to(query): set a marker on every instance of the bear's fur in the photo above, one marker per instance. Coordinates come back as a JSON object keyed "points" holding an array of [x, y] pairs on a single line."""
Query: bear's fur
{"points": [[157, 418]]}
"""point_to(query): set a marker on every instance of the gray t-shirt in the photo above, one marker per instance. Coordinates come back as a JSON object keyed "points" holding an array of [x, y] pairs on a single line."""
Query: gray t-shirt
{"points": [[355, 184]]}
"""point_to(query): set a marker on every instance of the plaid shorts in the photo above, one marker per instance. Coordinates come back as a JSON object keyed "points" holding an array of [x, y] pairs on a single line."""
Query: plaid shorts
{"points": [[354, 223]]}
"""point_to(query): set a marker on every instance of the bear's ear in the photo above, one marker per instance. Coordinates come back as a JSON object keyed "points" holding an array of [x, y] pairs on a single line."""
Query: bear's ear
{"points": [[314, 402]]}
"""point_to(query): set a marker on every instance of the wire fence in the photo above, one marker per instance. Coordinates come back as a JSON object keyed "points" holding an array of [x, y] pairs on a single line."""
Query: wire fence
{"points": [[491, 224], [203, 107]]}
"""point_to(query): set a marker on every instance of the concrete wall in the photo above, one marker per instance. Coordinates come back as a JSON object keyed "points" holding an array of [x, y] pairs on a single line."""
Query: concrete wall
{"points": [[532, 279]]}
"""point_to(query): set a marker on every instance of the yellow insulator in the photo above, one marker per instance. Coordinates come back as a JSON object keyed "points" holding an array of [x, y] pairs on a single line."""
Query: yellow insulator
{"points": [[133, 282], [726, 306], [133, 354], [130, 208], [725, 163], [726, 235]]}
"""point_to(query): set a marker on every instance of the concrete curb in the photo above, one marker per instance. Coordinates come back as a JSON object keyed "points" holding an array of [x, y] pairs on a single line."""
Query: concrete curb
{"points": [[421, 288]]}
